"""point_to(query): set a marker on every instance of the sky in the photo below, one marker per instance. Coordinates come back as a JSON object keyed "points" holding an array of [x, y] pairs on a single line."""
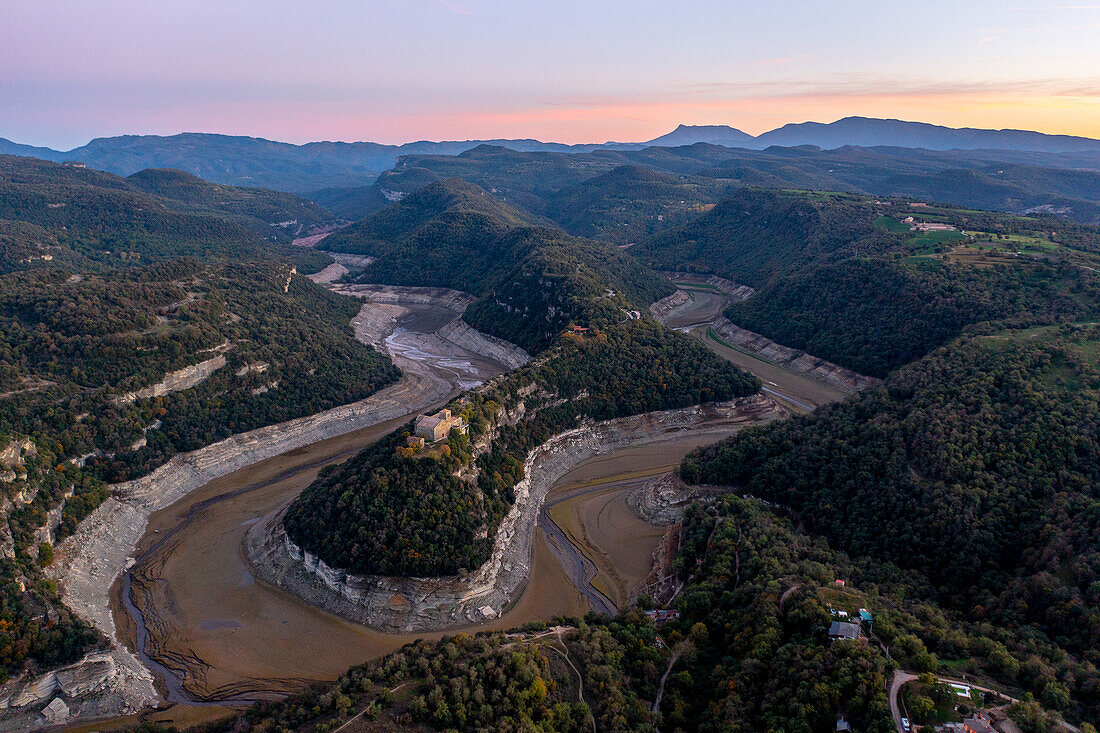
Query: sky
{"points": [[562, 70]]}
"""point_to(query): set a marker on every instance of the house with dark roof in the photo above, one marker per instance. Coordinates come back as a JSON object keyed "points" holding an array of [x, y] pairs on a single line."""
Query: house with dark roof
{"points": [[844, 630]]}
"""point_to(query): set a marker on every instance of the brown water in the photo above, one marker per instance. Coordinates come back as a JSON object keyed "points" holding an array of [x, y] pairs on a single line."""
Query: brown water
{"points": [[217, 634], [211, 632]]}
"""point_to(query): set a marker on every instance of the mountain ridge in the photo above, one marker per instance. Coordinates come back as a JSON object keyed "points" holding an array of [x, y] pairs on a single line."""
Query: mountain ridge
{"points": [[255, 161]]}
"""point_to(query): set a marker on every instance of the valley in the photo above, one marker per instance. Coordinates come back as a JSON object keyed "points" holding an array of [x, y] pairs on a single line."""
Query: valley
{"points": [[684, 426], [217, 634]]}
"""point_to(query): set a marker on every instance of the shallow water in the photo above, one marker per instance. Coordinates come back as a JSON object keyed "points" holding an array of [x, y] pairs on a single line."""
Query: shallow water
{"points": [[456, 364]]}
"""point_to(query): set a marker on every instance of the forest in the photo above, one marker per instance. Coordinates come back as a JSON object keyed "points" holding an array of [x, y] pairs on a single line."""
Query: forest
{"points": [[840, 279], [957, 501], [749, 652], [976, 469], [532, 281], [389, 511], [108, 284], [74, 216], [412, 514]]}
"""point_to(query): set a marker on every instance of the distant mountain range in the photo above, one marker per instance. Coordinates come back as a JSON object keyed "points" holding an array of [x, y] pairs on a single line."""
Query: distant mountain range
{"points": [[248, 161]]}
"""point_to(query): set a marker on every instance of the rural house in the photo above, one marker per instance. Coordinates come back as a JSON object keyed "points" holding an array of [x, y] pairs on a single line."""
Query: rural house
{"points": [[844, 630]]}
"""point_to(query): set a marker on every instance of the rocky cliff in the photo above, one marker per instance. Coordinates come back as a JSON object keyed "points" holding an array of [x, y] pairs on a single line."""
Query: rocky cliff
{"points": [[420, 604], [181, 379], [793, 359], [462, 334]]}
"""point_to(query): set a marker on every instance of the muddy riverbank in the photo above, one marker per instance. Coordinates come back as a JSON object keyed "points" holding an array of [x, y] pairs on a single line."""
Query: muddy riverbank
{"points": [[91, 562], [604, 544], [421, 604]]}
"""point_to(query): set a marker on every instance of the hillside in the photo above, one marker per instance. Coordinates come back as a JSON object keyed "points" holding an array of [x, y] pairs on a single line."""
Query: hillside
{"points": [[870, 132], [975, 468], [532, 281], [710, 134], [441, 200], [1005, 180], [269, 213], [249, 161], [628, 203], [83, 215], [748, 652], [534, 284], [845, 279], [79, 353], [435, 512], [117, 353]]}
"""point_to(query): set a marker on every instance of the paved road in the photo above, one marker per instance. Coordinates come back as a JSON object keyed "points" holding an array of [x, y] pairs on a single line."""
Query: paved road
{"points": [[900, 678]]}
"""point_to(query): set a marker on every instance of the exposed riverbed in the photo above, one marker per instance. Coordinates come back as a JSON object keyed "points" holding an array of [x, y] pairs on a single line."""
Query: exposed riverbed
{"points": [[189, 595], [214, 634]]}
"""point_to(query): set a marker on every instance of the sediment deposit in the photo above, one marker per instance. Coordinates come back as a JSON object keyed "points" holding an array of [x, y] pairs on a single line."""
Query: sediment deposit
{"points": [[420, 604], [394, 302], [94, 557], [332, 273]]}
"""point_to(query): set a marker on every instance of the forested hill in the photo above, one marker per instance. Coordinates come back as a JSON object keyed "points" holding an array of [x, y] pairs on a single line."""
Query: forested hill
{"points": [[116, 353], [756, 235], [393, 511], [437, 201], [1011, 181], [268, 213], [978, 468], [1012, 416], [847, 279], [629, 203], [532, 281], [70, 215]]}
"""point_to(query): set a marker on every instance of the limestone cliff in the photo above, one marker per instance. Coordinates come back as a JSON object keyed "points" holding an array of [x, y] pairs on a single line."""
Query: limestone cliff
{"points": [[420, 604]]}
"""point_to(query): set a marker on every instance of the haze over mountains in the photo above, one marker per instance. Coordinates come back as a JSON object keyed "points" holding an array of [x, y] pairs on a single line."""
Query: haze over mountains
{"points": [[239, 160]]}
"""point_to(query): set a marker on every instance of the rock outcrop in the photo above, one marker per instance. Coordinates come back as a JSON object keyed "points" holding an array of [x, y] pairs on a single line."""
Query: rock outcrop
{"points": [[181, 379], [376, 322], [462, 334], [90, 684], [454, 300], [420, 604], [661, 500], [793, 359], [665, 305]]}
